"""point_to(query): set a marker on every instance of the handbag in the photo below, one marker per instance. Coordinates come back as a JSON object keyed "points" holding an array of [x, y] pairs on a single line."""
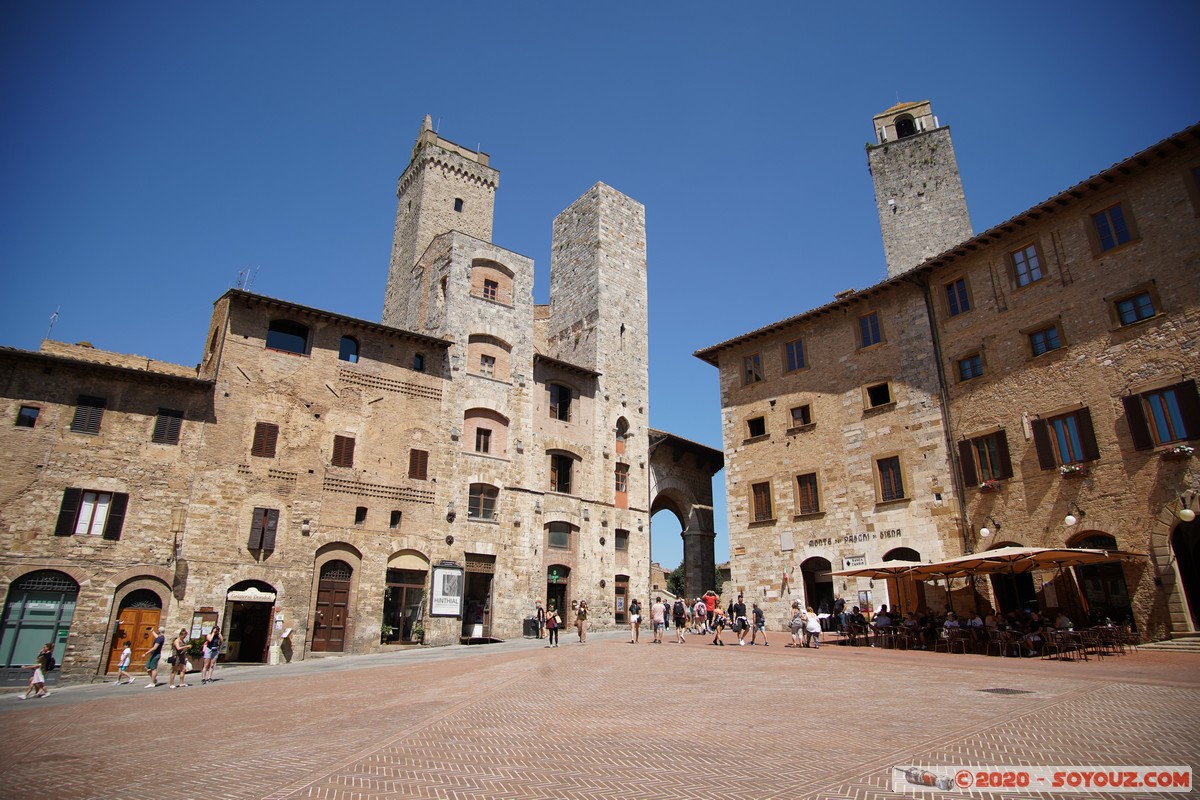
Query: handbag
{"points": [[170, 659]]}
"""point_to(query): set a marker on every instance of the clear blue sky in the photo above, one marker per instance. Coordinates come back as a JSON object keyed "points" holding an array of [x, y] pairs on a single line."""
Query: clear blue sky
{"points": [[150, 151]]}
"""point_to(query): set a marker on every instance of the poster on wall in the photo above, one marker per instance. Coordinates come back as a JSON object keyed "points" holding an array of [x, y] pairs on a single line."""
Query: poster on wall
{"points": [[445, 599]]}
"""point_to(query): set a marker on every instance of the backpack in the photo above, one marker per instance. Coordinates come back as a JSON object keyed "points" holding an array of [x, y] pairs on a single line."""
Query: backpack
{"points": [[48, 662], [680, 610]]}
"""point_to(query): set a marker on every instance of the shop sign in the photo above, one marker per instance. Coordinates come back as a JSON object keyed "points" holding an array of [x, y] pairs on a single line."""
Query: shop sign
{"points": [[445, 597], [251, 595], [851, 562]]}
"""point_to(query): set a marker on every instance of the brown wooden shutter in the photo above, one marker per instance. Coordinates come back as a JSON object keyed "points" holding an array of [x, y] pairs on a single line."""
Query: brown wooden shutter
{"points": [[88, 413], [1041, 441], [343, 451], [116, 516], [1135, 417], [1005, 458], [1087, 434], [966, 457], [271, 522], [256, 530], [166, 426], [1189, 407], [68, 512], [266, 434], [418, 464]]}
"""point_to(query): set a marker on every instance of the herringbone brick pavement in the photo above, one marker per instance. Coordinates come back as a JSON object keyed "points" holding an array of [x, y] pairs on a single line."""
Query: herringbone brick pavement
{"points": [[606, 720]]}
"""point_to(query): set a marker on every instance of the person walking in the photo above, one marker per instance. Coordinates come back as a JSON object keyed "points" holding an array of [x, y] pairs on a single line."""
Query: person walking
{"points": [[718, 625], [123, 675], [759, 625], [581, 615], [658, 616], [553, 623], [40, 666], [211, 652], [739, 620], [700, 617], [179, 650], [795, 625], [710, 606], [635, 621], [152, 658], [539, 614], [679, 611], [812, 627]]}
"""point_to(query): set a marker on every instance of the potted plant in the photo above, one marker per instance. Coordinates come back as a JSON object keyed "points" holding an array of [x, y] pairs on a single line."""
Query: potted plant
{"points": [[418, 632], [990, 485], [385, 633], [1178, 452], [1073, 470]]}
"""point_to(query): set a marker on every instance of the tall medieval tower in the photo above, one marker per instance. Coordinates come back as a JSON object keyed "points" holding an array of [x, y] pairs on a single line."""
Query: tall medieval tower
{"points": [[918, 191]]}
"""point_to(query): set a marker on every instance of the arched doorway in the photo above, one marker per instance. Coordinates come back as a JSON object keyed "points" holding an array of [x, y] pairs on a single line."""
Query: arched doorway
{"points": [[333, 607], [818, 583], [1185, 547], [558, 580], [404, 598], [38, 610], [138, 618], [248, 607], [1103, 585], [902, 592]]}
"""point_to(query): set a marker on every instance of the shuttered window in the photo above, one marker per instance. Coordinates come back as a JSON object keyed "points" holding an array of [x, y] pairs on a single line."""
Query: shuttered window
{"points": [[891, 480], [343, 451], [418, 464], [85, 512], [262, 529], [88, 413], [761, 497], [1163, 416], [166, 426], [1065, 439], [985, 458], [266, 434], [807, 500]]}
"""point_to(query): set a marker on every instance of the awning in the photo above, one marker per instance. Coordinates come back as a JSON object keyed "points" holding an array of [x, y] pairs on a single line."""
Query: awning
{"points": [[1014, 560]]}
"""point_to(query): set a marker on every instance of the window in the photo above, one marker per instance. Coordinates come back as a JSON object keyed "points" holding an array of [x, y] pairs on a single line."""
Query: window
{"points": [[559, 535], [970, 367], [166, 426], [560, 473], [879, 394], [458, 204], [793, 355], [868, 330], [761, 494], [756, 426], [807, 501], [1135, 308], [1044, 340], [348, 349], [266, 434], [490, 289], [1065, 439], [621, 539], [1111, 227], [394, 520], [891, 481], [487, 366], [482, 503], [483, 440], [287, 337], [419, 362], [263, 524], [360, 515], [343, 451], [802, 415], [985, 458], [1163, 416], [88, 413], [956, 297], [622, 478], [1027, 265], [27, 416], [85, 512], [418, 464], [560, 402], [752, 368]]}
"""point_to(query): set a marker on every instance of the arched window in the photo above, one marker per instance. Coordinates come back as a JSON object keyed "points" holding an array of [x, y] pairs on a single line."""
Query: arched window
{"points": [[287, 336], [348, 349], [905, 126], [622, 434]]}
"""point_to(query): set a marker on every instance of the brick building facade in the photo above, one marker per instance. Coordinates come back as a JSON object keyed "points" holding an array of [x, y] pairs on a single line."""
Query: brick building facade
{"points": [[326, 484], [1032, 385]]}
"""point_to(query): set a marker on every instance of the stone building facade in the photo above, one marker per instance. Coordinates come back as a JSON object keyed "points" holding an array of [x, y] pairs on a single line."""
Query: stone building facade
{"points": [[1033, 385], [321, 484]]}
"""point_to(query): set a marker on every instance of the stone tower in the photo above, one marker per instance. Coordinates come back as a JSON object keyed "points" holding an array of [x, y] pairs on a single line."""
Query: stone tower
{"points": [[446, 187], [918, 191]]}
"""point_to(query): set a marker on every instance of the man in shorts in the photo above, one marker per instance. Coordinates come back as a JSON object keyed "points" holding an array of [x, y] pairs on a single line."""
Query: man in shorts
{"points": [[658, 616], [153, 656], [679, 611], [759, 625], [740, 625]]}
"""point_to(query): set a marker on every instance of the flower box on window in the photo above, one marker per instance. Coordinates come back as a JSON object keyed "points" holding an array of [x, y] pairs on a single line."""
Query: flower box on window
{"points": [[990, 485], [1073, 470], [1177, 452]]}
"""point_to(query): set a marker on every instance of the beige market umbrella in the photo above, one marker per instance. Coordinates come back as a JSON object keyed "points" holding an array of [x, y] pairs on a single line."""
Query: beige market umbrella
{"points": [[882, 571]]}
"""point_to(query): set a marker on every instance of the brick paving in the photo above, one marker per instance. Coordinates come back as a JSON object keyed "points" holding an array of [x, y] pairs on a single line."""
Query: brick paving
{"points": [[605, 720]]}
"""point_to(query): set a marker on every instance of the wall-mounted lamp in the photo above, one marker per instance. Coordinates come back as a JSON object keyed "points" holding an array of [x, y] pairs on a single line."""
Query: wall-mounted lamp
{"points": [[305, 527], [1185, 513], [639, 524], [1074, 514], [451, 513], [586, 515], [604, 518], [537, 506], [517, 518], [985, 531], [454, 434]]}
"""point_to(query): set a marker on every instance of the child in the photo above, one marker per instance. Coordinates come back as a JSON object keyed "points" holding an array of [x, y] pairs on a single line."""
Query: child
{"points": [[123, 675]]}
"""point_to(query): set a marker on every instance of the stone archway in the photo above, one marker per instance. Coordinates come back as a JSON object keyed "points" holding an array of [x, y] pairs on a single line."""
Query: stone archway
{"points": [[681, 474]]}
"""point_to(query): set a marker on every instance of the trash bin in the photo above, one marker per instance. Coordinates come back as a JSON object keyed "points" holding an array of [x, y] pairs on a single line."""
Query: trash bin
{"points": [[531, 628]]}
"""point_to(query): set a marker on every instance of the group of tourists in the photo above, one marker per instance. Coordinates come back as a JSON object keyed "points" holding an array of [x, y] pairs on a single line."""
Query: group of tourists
{"points": [[550, 621]]}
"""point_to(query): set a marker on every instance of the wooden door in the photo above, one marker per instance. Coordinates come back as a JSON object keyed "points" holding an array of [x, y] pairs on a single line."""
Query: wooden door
{"points": [[138, 626], [333, 603]]}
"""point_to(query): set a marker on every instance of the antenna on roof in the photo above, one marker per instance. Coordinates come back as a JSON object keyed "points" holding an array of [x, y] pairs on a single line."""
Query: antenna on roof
{"points": [[246, 278], [53, 319]]}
